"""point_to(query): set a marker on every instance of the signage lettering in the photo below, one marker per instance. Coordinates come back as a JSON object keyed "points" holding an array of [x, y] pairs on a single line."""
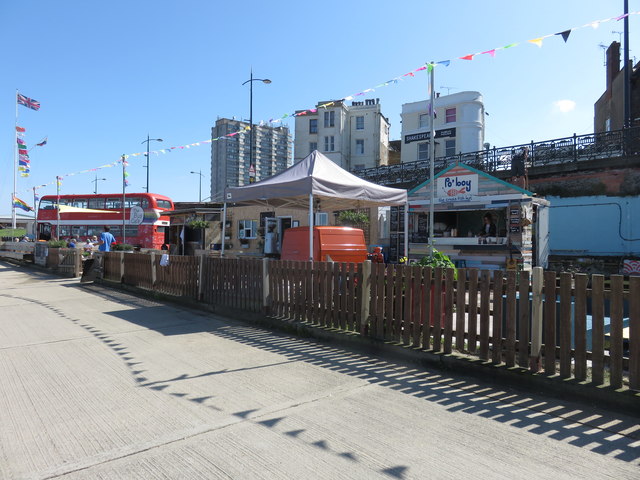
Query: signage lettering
{"points": [[418, 137]]}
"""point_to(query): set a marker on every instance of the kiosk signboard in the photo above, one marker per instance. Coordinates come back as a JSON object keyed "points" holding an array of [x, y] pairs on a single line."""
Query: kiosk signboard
{"points": [[456, 188]]}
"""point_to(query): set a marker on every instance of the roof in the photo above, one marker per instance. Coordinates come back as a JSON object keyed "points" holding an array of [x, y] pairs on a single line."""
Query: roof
{"points": [[332, 188]]}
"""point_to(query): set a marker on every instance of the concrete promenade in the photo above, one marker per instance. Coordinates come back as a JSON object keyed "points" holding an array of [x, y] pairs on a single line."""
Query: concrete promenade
{"points": [[100, 384]]}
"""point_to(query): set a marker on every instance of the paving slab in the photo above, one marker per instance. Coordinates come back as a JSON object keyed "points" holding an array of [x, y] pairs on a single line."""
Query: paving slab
{"points": [[98, 383]]}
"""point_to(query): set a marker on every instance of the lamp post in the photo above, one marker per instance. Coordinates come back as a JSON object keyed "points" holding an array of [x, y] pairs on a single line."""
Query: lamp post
{"points": [[250, 82], [199, 185], [95, 184], [147, 166]]}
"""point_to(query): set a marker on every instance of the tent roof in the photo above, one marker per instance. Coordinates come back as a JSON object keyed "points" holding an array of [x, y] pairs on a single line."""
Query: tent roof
{"points": [[332, 187]]}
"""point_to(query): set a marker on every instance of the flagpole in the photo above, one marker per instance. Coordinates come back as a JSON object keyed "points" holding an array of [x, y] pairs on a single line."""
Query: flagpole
{"points": [[35, 209], [124, 213], [15, 168], [58, 209], [432, 156]]}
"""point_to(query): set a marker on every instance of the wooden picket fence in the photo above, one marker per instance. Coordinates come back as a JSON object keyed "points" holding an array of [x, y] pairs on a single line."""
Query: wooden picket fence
{"points": [[498, 317]]}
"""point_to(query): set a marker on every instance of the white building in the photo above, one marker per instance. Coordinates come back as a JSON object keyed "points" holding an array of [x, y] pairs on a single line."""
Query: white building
{"points": [[459, 126], [230, 156], [354, 137]]}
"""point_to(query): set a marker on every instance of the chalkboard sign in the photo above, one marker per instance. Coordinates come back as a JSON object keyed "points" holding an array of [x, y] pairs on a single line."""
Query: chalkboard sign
{"points": [[513, 229]]}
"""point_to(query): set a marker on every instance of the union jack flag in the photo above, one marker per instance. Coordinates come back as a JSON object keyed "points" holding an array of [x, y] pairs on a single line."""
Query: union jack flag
{"points": [[28, 102]]}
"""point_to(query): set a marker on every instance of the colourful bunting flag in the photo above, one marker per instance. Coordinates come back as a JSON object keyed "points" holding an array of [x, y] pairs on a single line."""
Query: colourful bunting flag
{"points": [[565, 35], [536, 41], [491, 52], [467, 57], [20, 129], [446, 63]]}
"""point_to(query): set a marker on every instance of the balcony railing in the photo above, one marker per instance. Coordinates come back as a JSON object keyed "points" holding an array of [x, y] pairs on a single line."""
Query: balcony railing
{"points": [[558, 151]]}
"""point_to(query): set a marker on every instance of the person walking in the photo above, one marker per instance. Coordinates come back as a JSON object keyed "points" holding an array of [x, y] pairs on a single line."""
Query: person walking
{"points": [[106, 239]]}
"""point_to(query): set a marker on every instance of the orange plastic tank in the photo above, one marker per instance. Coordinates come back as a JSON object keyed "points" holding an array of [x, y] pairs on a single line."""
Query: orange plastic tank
{"points": [[342, 244]]}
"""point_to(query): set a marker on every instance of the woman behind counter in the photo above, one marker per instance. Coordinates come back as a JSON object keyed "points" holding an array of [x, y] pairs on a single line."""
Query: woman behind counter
{"points": [[489, 228]]}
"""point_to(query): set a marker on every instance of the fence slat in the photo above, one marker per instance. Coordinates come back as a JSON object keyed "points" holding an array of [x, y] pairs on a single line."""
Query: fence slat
{"points": [[392, 271], [448, 309], [634, 333], [407, 275], [615, 333], [510, 320], [549, 323], [523, 320], [416, 314], [485, 311], [565, 324], [426, 307], [473, 310], [580, 327], [461, 284], [437, 309], [496, 331], [597, 329], [344, 308], [396, 332], [383, 271]]}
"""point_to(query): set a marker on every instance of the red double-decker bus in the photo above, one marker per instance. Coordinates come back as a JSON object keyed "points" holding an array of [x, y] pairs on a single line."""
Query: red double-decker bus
{"points": [[82, 216]]}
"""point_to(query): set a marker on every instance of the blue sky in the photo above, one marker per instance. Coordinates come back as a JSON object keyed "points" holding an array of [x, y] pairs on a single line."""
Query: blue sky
{"points": [[108, 73]]}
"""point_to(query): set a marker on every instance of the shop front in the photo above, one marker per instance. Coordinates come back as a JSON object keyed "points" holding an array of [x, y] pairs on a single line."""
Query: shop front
{"points": [[479, 221]]}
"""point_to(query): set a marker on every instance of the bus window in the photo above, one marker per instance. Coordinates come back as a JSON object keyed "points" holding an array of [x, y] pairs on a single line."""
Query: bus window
{"points": [[97, 203], [95, 230], [79, 231], [78, 202], [114, 203], [47, 204], [166, 204]]}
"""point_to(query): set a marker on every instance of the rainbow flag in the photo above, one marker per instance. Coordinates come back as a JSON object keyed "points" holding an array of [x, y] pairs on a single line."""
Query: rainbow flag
{"points": [[17, 203]]}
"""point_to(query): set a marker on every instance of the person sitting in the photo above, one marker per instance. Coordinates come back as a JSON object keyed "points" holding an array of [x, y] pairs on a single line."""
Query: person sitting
{"points": [[71, 243], [489, 227], [377, 256]]}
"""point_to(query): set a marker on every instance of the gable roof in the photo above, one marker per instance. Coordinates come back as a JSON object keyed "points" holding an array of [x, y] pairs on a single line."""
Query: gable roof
{"points": [[332, 187], [500, 184]]}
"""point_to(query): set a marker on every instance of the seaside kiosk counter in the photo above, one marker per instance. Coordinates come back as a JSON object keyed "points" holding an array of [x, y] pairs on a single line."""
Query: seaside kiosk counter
{"points": [[463, 197]]}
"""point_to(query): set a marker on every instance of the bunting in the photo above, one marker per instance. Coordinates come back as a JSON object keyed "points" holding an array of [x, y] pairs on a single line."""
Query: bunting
{"points": [[429, 66]]}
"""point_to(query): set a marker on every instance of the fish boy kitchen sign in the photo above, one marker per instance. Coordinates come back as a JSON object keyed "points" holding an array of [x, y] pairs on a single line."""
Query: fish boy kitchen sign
{"points": [[457, 185]]}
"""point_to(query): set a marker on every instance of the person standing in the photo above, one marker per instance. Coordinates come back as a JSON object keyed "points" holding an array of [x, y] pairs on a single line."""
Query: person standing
{"points": [[106, 239]]}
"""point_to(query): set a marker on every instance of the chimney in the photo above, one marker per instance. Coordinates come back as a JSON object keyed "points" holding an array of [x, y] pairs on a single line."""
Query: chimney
{"points": [[613, 63]]}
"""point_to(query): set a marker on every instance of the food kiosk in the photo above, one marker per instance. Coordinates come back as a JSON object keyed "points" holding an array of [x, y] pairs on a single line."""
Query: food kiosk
{"points": [[463, 197]]}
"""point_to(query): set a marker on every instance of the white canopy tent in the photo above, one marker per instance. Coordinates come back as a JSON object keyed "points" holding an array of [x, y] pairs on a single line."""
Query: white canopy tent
{"points": [[317, 183]]}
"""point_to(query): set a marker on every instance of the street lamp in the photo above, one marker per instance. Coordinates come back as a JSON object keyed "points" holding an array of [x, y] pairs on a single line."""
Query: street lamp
{"points": [[250, 82], [199, 185], [147, 166], [95, 184]]}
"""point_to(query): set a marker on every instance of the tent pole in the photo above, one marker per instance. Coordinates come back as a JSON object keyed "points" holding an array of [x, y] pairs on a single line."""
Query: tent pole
{"points": [[311, 227], [406, 231], [224, 227]]}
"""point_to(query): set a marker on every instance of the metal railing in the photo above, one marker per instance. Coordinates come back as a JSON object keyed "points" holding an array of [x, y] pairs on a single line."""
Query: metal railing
{"points": [[558, 151]]}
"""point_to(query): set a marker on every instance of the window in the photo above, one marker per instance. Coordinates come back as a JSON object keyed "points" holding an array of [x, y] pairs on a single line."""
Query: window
{"points": [[136, 202], [360, 147], [322, 218], [329, 144], [47, 204], [607, 125], [96, 203], [423, 121], [330, 119], [313, 146], [247, 228], [114, 203], [360, 123], [450, 114], [164, 204], [313, 125], [450, 148], [423, 151], [78, 202]]}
